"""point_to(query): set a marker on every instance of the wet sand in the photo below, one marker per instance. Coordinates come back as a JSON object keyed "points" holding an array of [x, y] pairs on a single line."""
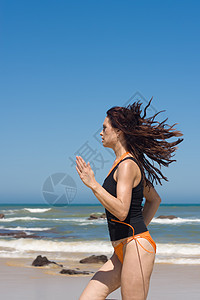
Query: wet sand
{"points": [[20, 280]]}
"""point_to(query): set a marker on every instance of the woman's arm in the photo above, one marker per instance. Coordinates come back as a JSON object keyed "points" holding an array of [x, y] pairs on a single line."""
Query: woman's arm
{"points": [[119, 206], [151, 204]]}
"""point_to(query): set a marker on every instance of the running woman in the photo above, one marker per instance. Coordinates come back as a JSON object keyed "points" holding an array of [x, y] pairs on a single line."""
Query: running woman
{"points": [[133, 138]]}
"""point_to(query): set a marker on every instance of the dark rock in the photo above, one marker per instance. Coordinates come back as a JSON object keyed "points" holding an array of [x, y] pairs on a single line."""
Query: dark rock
{"points": [[40, 261], [2, 216], [93, 259], [43, 261], [74, 272], [18, 235], [171, 217], [103, 216], [97, 216], [93, 217], [21, 235]]}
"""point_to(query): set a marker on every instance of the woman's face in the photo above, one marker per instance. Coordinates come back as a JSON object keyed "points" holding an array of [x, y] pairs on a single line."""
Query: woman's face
{"points": [[108, 134]]}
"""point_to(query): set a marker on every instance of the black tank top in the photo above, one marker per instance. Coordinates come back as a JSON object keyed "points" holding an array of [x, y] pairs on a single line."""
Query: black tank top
{"points": [[117, 230]]}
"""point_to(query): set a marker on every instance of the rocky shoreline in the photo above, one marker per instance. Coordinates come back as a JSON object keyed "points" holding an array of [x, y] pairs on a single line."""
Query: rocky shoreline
{"points": [[41, 261]]}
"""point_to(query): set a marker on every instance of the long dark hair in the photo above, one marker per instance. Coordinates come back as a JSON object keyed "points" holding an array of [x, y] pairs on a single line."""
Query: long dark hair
{"points": [[143, 138]]}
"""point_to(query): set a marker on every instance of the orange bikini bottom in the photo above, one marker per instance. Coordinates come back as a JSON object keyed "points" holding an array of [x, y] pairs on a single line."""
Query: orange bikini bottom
{"points": [[146, 235]]}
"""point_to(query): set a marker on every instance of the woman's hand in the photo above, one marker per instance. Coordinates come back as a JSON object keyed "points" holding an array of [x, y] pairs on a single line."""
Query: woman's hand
{"points": [[85, 172]]}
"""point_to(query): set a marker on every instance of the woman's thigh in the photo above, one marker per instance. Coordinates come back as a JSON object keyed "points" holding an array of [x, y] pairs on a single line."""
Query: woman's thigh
{"points": [[105, 281], [136, 271]]}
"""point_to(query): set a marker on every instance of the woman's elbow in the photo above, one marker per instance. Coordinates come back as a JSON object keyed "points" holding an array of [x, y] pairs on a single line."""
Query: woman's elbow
{"points": [[155, 200], [159, 200], [123, 216], [122, 219]]}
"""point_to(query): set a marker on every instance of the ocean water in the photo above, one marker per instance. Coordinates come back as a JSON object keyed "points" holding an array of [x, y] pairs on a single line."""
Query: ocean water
{"points": [[65, 232]]}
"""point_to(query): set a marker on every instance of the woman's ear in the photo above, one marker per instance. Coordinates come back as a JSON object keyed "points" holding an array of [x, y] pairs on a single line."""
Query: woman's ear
{"points": [[119, 132]]}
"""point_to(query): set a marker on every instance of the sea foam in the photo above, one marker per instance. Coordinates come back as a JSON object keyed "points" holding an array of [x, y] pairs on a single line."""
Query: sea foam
{"points": [[37, 210], [166, 253], [26, 228], [175, 221]]}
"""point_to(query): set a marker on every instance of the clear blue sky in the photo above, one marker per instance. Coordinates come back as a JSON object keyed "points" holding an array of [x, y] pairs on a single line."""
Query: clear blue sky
{"points": [[63, 64]]}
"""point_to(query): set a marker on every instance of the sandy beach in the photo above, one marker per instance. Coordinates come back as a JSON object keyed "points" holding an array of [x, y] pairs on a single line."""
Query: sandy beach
{"points": [[67, 236], [20, 280]]}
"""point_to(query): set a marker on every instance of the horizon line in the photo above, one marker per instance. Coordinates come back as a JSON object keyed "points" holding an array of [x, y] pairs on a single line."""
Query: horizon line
{"points": [[89, 204]]}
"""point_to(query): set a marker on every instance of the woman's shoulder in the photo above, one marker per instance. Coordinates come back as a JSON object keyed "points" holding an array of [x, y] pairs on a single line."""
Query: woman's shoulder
{"points": [[128, 163], [128, 159], [129, 168]]}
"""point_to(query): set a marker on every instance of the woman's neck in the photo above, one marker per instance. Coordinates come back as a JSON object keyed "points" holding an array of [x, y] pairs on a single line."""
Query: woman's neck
{"points": [[120, 153]]}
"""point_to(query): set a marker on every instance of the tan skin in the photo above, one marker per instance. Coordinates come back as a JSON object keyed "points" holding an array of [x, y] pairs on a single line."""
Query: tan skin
{"points": [[113, 274]]}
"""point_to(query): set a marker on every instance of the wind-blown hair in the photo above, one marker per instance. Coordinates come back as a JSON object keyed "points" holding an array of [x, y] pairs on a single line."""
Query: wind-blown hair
{"points": [[143, 138]]}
